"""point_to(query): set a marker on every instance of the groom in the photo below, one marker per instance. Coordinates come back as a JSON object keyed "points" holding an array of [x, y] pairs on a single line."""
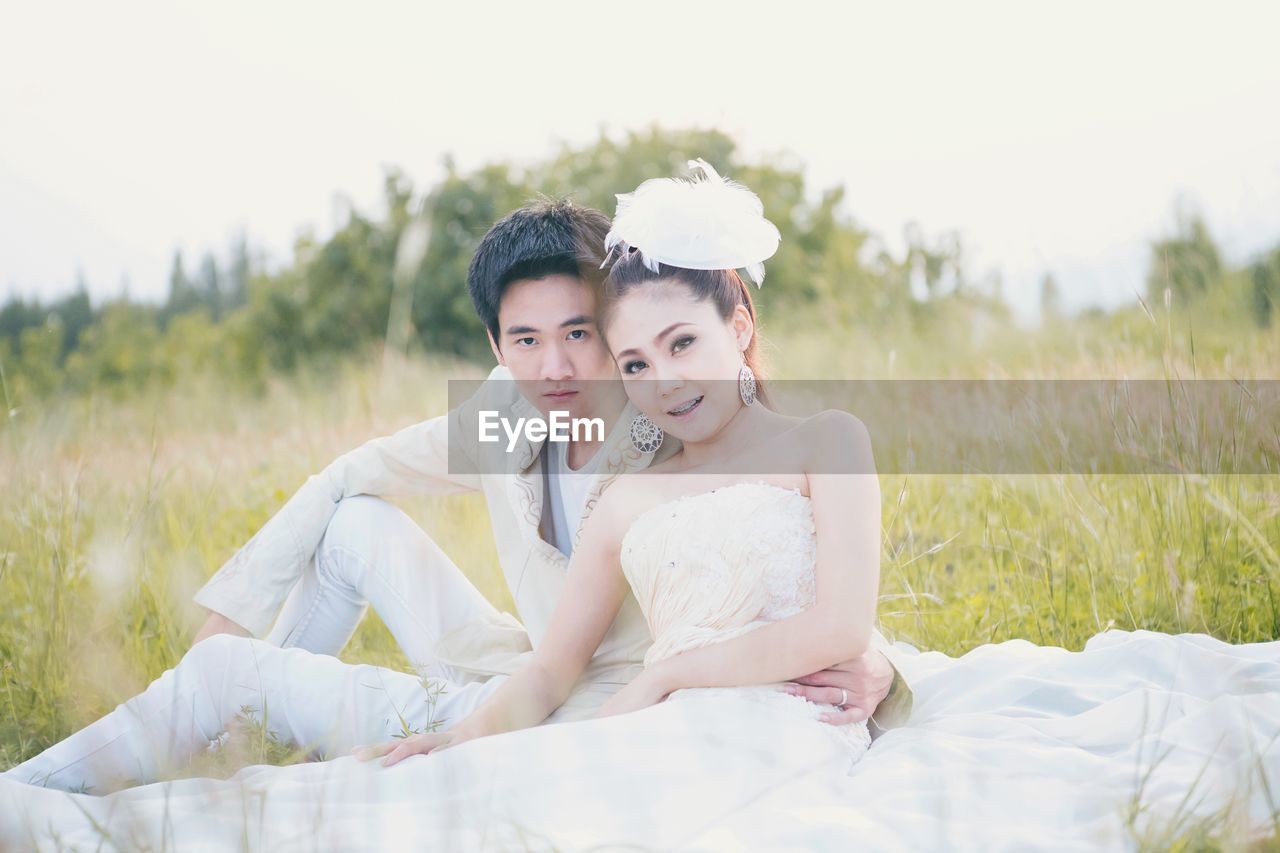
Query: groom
{"points": [[336, 546]]}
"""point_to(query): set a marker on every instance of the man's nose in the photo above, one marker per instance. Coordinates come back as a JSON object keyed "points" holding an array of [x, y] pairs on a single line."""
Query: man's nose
{"points": [[556, 365]]}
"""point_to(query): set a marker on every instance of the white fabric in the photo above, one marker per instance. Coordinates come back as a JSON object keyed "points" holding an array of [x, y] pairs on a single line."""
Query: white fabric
{"points": [[1012, 746], [707, 223], [372, 553], [568, 493], [748, 562]]}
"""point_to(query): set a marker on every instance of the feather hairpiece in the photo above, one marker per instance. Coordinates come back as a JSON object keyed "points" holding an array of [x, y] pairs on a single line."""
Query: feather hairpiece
{"points": [[711, 223]]}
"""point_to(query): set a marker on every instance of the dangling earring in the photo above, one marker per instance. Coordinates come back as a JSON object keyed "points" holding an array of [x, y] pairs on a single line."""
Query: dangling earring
{"points": [[747, 384], [646, 436]]}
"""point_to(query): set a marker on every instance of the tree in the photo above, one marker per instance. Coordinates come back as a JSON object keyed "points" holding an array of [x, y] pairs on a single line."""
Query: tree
{"points": [[1050, 299], [460, 210], [1187, 263], [183, 295], [238, 271], [208, 286], [1265, 273]]}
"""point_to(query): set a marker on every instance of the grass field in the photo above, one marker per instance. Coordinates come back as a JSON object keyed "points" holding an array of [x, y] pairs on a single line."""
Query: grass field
{"points": [[114, 509]]}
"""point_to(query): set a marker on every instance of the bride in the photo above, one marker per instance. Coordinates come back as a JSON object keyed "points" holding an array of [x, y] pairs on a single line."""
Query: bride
{"points": [[753, 553]]}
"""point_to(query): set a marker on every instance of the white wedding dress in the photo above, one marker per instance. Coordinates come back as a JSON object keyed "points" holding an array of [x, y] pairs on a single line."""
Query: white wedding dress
{"points": [[1010, 746]]}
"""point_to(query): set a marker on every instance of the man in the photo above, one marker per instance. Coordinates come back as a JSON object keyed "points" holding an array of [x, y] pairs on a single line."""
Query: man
{"points": [[337, 547]]}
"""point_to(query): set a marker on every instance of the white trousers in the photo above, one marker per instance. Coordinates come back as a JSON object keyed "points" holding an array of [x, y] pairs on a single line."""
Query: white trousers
{"points": [[371, 554]]}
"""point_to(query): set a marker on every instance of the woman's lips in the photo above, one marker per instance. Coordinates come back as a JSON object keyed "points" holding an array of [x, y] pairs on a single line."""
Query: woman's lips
{"points": [[686, 409]]}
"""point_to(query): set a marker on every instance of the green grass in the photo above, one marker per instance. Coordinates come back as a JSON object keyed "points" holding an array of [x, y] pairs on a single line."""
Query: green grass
{"points": [[113, 511]]}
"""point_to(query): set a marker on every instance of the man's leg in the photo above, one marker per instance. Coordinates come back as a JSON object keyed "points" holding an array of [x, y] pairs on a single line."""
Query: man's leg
{"points": [[373, 553], [311, 700]]}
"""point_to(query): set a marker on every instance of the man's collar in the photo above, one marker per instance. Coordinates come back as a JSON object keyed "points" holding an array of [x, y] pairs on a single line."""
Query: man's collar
{"points": [[615, 447]]}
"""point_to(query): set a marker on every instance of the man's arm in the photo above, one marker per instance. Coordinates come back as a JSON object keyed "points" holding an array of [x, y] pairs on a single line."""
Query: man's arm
{"points": [[246, 593]]}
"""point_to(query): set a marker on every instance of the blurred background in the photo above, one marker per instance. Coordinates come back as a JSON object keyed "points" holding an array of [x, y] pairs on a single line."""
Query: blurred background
{"points": [[192, 186], [234, 237]]}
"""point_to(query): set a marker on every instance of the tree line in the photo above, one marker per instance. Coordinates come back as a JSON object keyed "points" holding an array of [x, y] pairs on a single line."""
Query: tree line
{"points": [[400, 276]]}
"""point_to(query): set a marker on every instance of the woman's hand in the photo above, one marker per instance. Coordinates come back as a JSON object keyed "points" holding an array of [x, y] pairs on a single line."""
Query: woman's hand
{"points": [[647, 688], [401, 748]]}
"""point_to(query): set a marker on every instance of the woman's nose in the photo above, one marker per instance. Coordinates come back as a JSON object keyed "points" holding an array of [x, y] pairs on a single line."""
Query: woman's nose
{"points": [[667, 381]]}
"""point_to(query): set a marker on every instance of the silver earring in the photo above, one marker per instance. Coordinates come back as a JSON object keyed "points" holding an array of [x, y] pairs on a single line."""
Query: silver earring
{"points": [[646, 436], [747, 385]]}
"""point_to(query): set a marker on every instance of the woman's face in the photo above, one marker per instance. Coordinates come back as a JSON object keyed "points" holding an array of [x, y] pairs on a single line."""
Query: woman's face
{"points": [[679, 360]]}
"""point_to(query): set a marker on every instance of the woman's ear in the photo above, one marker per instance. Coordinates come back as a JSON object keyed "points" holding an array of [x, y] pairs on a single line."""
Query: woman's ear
{"points": [[744, 328]]}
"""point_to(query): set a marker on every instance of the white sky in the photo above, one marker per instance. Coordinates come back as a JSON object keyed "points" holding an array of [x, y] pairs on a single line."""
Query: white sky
{"points": [[1052, 136]]}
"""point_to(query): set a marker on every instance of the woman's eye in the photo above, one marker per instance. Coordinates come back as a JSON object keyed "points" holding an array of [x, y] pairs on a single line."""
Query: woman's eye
{"points": [[578, 335], [633, 367], [682, 342]]}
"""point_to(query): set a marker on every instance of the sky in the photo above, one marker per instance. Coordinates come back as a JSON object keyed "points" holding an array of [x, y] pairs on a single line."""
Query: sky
{"points": [[1053, 137]]}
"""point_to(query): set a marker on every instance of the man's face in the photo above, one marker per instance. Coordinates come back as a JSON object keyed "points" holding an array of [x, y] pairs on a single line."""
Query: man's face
{"points": [[549, 341]]}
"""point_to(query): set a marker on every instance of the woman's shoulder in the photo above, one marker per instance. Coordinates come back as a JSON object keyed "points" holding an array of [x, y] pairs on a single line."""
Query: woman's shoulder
{"points": [[836, 442], [624, 499], [835, 423]]}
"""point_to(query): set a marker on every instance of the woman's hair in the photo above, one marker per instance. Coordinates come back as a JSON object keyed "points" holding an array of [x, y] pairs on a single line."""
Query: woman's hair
{"points": [[725, 289]]}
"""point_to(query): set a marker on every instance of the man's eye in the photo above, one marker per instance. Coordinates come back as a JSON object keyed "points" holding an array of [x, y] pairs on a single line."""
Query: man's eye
{"points": [[682, 342], [578, 335], [525, 342], [632, 367]]}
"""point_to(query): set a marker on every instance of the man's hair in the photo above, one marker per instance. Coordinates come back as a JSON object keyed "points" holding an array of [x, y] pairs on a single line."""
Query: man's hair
{"points": [[543, 238]]}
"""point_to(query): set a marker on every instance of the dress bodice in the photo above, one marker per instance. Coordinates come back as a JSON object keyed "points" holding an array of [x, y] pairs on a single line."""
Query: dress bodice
{"points": [[710, 566]]}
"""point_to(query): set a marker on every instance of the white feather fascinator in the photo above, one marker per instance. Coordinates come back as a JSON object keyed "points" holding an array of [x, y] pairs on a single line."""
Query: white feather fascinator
{"points": [[710, 223]]}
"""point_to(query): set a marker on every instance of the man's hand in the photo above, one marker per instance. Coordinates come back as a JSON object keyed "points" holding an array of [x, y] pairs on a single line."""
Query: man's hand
{"points": [[866, 681], [219, 624], [396, 750]]}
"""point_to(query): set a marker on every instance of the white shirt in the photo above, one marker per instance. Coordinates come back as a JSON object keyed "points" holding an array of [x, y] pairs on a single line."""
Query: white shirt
{"points": [[568, 493]]}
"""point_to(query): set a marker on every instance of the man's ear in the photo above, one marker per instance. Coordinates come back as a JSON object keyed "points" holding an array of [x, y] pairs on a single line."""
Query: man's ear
{"points": [[493, 345]]}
